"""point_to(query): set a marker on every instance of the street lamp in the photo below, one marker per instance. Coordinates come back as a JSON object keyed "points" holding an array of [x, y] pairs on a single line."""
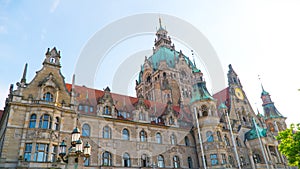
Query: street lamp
{"points": [[76, 150]]}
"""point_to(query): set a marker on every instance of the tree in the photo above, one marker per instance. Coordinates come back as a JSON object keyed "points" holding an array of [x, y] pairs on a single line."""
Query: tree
{"points": [[290, 144]]}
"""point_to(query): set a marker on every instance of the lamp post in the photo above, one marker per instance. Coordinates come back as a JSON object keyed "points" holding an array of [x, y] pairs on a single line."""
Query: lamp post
{"points": [[77, 152]]}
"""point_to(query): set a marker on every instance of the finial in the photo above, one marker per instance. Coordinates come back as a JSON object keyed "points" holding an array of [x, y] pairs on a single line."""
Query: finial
{"points": [[160, 23], [23, 80], [262, 87]]}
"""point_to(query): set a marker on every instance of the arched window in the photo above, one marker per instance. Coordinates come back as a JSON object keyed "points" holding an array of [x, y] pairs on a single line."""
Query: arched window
{"points": [[56, 125], [45, 122], [48, 97], [107, 110], [32, 121], [209, 136], [204, 110], [190, 162], [226, 141], [125, 134], [86, 130], [106, 159], [158, 138], [176, 162], [126, 160], [106, 132], [143, 136], [187, 141], [173, 139], [238, 142], [219, 136], [160, 161]]}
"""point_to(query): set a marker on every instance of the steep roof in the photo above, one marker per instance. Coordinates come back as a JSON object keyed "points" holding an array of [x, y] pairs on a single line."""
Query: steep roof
{"points": [[222, 97]]}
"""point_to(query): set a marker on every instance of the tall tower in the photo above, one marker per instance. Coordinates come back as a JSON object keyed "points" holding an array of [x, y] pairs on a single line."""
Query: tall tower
{"points": [[167, 75], [275, 121]]}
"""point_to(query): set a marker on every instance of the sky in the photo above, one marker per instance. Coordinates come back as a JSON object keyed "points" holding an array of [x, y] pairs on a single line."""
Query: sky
{"points": [[256, 37]]}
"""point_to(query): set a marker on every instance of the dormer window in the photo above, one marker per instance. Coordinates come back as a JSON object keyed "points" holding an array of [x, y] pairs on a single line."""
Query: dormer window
{"points": [[48, 97], [107, 110]]}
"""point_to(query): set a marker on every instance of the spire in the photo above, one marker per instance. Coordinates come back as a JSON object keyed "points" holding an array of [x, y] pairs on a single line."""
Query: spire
{"points": [[162, 38], [23, 80], [160, 23]]}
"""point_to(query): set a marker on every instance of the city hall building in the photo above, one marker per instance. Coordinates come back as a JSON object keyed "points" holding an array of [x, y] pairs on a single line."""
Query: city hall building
{"points": [[173, 122]]}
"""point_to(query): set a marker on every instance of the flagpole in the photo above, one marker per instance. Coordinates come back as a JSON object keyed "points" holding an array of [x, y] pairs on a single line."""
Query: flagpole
{"points": [[200, 139], [233, 141], [260, 142]]}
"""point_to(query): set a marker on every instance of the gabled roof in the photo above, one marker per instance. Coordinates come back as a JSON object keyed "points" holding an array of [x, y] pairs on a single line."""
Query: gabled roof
{"points": [[127, 103]]}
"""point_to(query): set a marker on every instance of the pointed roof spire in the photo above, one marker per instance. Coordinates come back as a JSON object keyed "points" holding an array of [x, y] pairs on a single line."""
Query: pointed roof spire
{"points": [[23, 80], [262, 87]]}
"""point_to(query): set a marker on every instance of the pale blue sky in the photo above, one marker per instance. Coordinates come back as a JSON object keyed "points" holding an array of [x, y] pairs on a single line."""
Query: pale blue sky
{"points": [[255, 37]]}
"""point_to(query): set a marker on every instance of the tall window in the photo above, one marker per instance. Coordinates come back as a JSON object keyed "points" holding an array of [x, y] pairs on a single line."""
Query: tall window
{"points": [[214, 159], [56, 123], [238, 142], [27, 153], [158, 138], [106, 132], [126, 160], [204, 110], [125, 134], [242, 161], [230, 159], [226, 141], [176, 162], [144, 160], [41, 152], [106, 159], [256, 158], [143, 136], [209, 136], [48, 97], [160, 161], [86, 161], [187, 141], [45, 122], [190, 162], [173, 139], [107, 110], [53, 153], [32, 121], [219, 136], [224, 161], [86, 130]]}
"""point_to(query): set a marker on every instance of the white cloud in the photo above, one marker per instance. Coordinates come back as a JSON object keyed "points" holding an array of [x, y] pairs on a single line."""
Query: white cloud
{"points": [[54, 5]]}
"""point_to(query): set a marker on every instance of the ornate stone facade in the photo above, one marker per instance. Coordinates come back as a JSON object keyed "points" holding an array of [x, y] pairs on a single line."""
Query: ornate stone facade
{"points": [[158, 128]]}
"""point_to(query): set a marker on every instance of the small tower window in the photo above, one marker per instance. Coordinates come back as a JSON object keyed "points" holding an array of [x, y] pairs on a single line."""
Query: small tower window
{"points": [[209, 136], [204, 110], [52, 60]]}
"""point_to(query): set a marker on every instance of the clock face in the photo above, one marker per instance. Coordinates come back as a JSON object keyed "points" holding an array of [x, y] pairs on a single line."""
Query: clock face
{"points": [[239, 93]]}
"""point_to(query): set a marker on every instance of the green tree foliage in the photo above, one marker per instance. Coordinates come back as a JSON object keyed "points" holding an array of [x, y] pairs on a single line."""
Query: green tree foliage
{"points": [[290, 144]]}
